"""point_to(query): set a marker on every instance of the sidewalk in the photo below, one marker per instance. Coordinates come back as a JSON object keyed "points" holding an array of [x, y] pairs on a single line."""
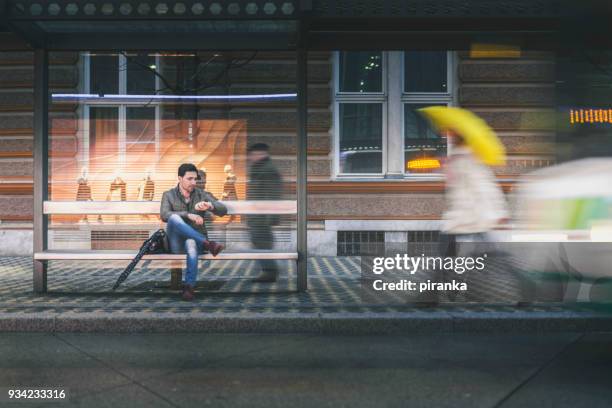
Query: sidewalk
{"points": [[80, 299]]}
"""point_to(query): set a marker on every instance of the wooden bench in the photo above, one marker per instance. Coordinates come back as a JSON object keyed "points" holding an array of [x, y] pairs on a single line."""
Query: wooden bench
{"points": [[282, 207]]}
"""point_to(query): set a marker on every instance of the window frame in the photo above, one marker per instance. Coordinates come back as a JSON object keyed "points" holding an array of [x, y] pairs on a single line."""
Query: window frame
{"points": [[388, 103], [85, 58], [358, 97], [442, 98]]}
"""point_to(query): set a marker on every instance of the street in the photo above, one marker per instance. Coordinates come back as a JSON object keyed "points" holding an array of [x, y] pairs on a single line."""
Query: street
{"points": [[284, 370]]}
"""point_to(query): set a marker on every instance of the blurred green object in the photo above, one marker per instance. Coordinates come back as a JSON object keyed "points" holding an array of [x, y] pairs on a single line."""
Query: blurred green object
{"points": [[587, 210], [575, 213], [573, 195]]}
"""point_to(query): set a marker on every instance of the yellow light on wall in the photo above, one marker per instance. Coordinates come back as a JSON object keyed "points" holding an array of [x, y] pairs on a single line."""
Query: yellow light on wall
{"points": [[479, 50], [577, 116], [423, 164]]}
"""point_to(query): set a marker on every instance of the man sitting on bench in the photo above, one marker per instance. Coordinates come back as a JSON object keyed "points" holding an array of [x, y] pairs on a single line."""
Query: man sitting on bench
{"points": [[183, 208]]}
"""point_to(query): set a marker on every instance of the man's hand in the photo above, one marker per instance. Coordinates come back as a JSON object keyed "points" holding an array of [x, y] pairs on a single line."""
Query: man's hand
{"points": [[203, 206], [196, 218]]}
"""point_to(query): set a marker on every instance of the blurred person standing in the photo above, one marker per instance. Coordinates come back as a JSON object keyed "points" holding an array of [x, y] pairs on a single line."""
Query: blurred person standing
{"points": [[265, 183], [475, 205], [475, 202], [201, 179]]}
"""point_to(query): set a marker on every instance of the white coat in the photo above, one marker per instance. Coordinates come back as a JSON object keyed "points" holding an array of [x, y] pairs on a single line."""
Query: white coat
{"points": [[475, 202]]}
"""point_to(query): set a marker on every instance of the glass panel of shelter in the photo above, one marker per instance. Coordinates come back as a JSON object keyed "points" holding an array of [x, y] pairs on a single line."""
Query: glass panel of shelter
{"points": [[136, 117]]}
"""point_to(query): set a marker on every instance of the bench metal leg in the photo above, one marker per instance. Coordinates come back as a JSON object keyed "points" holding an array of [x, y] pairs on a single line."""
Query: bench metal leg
{"points": [[176, 277], [302, 167], [40, 277], [40, 165]]}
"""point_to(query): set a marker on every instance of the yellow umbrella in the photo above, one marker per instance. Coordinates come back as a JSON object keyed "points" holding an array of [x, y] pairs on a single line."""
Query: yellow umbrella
{"points": [[477, 134]]}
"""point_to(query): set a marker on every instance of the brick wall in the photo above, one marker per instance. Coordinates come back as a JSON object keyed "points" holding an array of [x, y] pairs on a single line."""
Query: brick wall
{"points": [[16, 121], [516, 96]]}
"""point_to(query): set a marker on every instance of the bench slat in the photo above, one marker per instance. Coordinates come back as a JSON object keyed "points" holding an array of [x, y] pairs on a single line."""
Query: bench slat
{"points": [[244, 207], [128, 255]]}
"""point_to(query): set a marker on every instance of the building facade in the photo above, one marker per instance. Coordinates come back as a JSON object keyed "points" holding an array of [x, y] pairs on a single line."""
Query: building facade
{"points": [[364, 144], [373, 163]]}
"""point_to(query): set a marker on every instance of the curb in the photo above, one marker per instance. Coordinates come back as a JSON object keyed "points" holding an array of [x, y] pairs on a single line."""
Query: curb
{"points": [[313, 323]]}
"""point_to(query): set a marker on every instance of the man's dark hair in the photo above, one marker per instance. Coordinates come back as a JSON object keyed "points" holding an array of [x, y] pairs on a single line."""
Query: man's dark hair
{"points": [[185, 167], [258, 147]]}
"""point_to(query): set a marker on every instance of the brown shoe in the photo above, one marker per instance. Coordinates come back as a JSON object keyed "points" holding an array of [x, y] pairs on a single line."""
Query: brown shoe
{"points": [[188, 293], [213, 247]]}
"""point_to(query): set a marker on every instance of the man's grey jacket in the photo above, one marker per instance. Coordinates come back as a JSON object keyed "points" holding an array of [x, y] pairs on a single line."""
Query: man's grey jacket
{"points": [[173, 202]]}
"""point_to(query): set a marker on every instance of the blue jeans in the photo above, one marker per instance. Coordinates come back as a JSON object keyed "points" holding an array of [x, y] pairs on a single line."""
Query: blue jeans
{"points": [[184, 239]]}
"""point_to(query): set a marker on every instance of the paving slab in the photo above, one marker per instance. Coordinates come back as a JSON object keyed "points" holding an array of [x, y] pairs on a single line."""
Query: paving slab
{"points": [[580, 376], [43, 360], [146, 355], [276, 370], [358, 371]]}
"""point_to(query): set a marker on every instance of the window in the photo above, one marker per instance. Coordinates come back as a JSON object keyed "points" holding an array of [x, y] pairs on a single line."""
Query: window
{"points": [[361, 100], [361, 72], [423, 147], [378, 131], [361, 137], [104, 74], [425, 71], [118, 129]]}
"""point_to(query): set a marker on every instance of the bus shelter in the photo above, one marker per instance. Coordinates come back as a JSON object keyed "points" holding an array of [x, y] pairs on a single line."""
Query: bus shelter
{"points": [[149, 35]]}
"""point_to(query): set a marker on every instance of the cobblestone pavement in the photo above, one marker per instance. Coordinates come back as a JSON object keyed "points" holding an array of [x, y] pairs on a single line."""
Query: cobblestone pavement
{"points": [[334, 285]]}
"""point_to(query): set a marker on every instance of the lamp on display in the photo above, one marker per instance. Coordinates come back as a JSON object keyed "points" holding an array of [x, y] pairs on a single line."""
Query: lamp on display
{"points": [[83, 190], [117, 191], [146, 191], [229, 186]]}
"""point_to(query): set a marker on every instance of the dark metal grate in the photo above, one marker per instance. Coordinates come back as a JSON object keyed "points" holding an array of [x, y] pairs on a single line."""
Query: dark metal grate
{"points": [[440, 8], [119, 235], [130, 9], [352, 243], [422, 242], [118, 239]]}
